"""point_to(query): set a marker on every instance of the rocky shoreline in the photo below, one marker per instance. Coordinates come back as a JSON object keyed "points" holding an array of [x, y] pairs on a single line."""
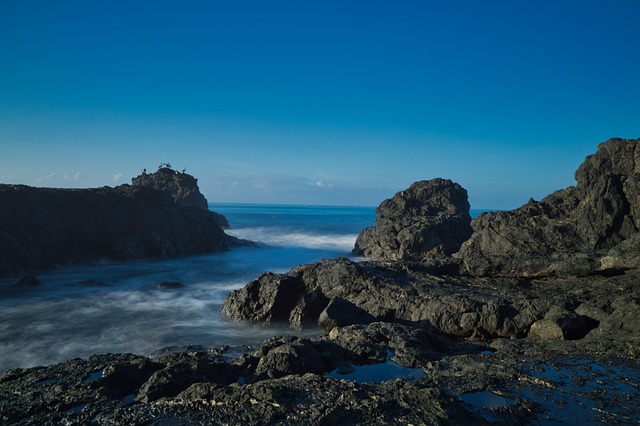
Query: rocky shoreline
{"points": [[521, 317]]}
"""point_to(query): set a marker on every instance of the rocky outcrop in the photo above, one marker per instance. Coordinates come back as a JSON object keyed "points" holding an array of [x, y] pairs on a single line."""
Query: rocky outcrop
{"points": [[340, 292], [429, 219], [179, 187], [44, 227], [593, 227]]}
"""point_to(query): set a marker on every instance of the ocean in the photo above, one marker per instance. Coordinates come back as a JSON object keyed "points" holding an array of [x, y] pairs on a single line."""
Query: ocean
{"points": [[118, 307]]}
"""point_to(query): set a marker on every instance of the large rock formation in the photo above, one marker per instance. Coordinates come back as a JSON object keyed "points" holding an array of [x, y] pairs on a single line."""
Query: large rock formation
{"points": [[429, 219], [179, 187], [405, 293], [44, 227], [593, 227]]}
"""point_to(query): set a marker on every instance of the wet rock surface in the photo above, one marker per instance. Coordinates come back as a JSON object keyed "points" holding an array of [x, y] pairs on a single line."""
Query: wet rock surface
{"points": [[291, 380], [44, 227]]}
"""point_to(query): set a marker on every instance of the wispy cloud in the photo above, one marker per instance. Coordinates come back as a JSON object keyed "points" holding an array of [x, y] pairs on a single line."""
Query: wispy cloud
{"points": [[117, 177], [47, 177], [321, 184]]}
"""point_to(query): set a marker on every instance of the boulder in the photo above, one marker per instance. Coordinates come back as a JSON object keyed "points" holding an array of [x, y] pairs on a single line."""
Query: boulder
{"points": [[560, 324], [269, 298], [429, 219], [589, 228], [298, 357]]}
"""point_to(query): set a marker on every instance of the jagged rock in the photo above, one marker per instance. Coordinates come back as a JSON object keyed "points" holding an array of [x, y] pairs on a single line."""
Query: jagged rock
{"points": [[44, 227], [178, 187], [590, 228], [297, 357], [181, 371], [181, 188], [429, 219], [389, 292], [340, 312], [268, 298]]}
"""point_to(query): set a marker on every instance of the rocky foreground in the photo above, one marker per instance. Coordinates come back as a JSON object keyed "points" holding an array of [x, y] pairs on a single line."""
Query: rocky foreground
{"points": [[522, 317], [162, 214]]}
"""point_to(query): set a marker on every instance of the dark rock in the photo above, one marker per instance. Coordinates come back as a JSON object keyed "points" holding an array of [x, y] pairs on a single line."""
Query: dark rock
{"points": [[390, 292], [429, 219], [297, 357], [181, 188], [340, 312], [44, 227], [368, 344], [181, 371], [590, 228], [170, 284], [268, 298], [28, 281], [561, 324]]}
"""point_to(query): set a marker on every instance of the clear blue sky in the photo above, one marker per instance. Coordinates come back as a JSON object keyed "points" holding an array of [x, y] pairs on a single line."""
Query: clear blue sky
{"points": [[327, 102]]}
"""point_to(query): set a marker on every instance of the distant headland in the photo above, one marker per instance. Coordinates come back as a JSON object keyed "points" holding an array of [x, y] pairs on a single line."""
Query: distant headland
{"points": [[161, 214]]}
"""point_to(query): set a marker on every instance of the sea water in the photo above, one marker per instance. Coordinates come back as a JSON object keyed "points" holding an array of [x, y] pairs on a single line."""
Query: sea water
{"points": [[117, 307]]}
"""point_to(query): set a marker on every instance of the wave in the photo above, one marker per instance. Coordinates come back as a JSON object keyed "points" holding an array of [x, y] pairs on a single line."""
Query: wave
{"points": [[281, 237]]}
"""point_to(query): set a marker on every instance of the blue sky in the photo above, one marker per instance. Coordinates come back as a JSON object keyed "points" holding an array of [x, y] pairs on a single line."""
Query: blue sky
{"points": [[332, 102]]}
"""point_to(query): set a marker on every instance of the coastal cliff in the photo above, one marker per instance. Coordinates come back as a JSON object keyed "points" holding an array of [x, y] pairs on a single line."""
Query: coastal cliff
{"points": [[153, 218]]}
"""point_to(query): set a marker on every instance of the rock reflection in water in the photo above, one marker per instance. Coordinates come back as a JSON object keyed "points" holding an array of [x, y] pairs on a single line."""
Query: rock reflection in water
{"points": [[381, 372]]}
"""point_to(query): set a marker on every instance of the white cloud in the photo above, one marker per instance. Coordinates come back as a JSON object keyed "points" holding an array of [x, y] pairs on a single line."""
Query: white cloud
{"points": [[117, 177], [47, 177], [321, 184], [76, 176]]}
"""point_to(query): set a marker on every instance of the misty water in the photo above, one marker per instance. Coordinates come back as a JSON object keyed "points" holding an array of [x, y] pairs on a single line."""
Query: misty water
{"points": [[116, 307]]}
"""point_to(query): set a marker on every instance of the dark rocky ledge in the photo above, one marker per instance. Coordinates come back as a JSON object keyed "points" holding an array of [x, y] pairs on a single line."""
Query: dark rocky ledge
{"points": [[162, 214]]}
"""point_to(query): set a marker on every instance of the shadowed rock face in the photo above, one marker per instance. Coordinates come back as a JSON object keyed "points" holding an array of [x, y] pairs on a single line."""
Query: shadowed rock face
{"points": [[590, 228], [44, 227], [429, 219], [180, 187]]}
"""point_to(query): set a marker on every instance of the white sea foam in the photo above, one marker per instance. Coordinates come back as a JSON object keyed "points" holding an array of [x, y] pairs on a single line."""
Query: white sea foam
{"points": [[281, 237], [77, 311]]}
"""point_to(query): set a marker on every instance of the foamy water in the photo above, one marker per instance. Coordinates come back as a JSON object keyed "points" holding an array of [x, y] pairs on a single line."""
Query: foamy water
{"points": [[119, 307]]}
